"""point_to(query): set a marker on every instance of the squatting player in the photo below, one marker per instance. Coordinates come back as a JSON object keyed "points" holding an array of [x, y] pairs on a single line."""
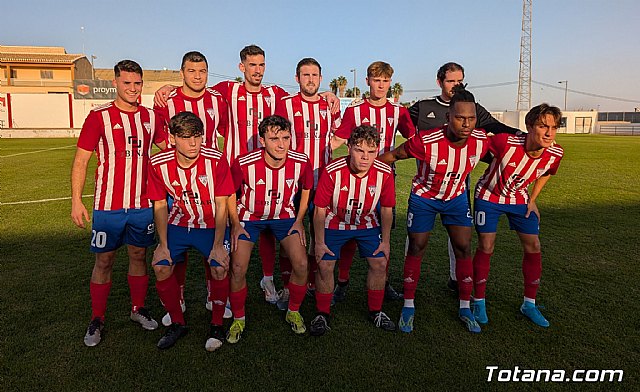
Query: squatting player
{"points": [[432, 112], [388, 118], [211, 108], [198, 180], [518, 161], [267, 180], [312, 126], [121, 133], [445, 157], [346, 208]]}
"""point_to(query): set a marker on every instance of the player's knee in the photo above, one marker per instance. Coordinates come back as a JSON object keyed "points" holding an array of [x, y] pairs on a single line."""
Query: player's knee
{"points": [[417, 246], [162, 272], [378, 266], [104, 262], [532, 246], [218, 273]]}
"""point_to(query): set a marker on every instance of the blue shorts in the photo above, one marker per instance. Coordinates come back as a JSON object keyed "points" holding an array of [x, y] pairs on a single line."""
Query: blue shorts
{"points": [[368, 241], [488, 213], [421, 214], [111, 229], [279, 227], [180, 239]]}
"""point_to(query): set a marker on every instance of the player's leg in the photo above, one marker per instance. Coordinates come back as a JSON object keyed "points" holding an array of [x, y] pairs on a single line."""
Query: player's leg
{"points": [[267, 251], [389, 292], [368, 241], [335, 240], [347, 254], [460, 237], [298, 281], [180, 272]]}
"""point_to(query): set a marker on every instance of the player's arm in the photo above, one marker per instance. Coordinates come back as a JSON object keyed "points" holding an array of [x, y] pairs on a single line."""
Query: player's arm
{"points": [[337, 141], [535, 192], [161, 220], [79, 213], [397, 154], [319, 216], [218, 252], [332, 100], [386, 217], [236, 227], [298, 225], [160, 97]]}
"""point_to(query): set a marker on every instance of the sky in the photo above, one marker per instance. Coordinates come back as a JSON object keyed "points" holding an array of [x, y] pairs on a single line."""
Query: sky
{"points": [[591, 44]]}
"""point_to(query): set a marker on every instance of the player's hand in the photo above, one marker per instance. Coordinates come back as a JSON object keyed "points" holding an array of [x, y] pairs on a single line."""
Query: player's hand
{"points": [[236, 232], [161, 253], [320, 250], [221, 256], [299, 227], [333, 101], [385, 248], [532, 207], [160, 97], [79, 214]]}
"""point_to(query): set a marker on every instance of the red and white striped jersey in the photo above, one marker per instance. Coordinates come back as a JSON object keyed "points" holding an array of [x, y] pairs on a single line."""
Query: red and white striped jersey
{"points": [[442, 166], [193, 189], [246, 110], [350, 200], [211, 108], [312, 125], [266, 192], [122, 142], [512, 170], [388, 119]]}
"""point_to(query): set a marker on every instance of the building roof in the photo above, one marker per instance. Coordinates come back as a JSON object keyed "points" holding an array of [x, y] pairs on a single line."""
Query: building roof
{"points": [[37, 54], [149, 75]]}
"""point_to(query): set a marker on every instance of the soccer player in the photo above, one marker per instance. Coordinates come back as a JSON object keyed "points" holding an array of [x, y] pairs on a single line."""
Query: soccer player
{"points": [[212, 109], [312, 125], [388, 118], [346, 208], [268, 179], [121, 133], [432, 112], [446, 156], [199, 182], [518, 161]]}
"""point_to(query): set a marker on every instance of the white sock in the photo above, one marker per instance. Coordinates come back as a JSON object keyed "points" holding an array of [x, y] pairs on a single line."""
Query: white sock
{"points": [[408, 303], [464, 304], [532, 301]]}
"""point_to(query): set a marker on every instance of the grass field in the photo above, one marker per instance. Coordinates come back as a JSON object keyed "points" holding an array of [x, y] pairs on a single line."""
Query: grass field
{"points": [[590, 290]]}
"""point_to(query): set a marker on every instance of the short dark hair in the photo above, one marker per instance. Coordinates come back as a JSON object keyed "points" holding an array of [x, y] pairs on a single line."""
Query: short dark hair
{"points": [[194, 57], [127, 66], [307, 61], [364, 133], [250, 50], [186, 124], [461, 94], [537, 112], [279, 122], [448, 67]]}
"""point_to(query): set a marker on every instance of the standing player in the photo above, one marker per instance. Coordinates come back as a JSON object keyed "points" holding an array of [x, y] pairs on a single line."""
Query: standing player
{"points": [[388, 118], [198, 180], [312, 125], [518, 161], [446, 156], [268, 179], [346, 208], [121, 133], [432, 112], [211, 108]]}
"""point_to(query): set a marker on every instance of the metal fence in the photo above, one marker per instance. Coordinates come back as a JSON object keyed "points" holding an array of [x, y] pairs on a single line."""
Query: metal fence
{"points": [[620, 130]]}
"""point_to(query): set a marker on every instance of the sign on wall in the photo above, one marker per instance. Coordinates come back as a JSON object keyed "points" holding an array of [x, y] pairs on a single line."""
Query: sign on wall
{"points": [[93, 89]]}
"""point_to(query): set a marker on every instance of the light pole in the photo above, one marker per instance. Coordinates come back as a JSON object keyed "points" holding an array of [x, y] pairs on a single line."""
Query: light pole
{"points": [[354, 82], [82, 34], [566, 88]]}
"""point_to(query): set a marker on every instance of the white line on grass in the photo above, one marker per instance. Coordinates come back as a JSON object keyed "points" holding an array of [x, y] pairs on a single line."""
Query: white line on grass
{"points": [[38, 201], [35, 152]]}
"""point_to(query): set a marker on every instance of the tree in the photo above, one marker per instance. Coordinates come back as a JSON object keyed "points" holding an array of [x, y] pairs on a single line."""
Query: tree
{"points": [[342, 84], [367, 94], [238, 79], [333, 85], [396, 91], [349, 93]]}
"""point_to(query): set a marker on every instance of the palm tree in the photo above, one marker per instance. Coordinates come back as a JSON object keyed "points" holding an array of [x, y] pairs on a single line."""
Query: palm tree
{"points": [[396, 91], [349, 93], [333, 85], [238, 79], [342, 84], [367, 94]]}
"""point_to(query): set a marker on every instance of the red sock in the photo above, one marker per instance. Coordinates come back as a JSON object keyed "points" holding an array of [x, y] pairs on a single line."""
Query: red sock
{"points": [[347, 253], [313, 268], [531, 270], [464, 276], [323, 302], [180, 271], [99, 293], [411, 275], [219, 295], [296, 296], [138, 286], [285, 269], [481, 265], [237, 300], [208, 276], [374, 300], [267, 251], [169, 294]]}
